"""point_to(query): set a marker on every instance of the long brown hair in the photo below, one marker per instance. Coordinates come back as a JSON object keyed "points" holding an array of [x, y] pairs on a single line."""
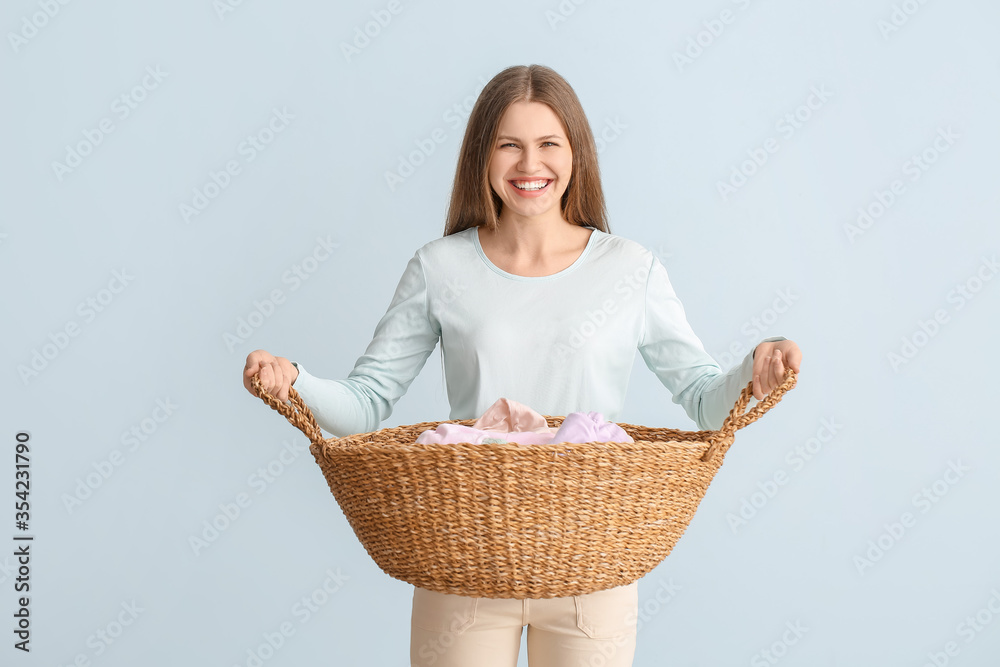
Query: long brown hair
{"points": [[473, 202]]}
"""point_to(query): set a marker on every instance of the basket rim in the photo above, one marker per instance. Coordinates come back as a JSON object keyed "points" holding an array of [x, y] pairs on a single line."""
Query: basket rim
{"points": [[389, 434], [718, 441], [343, 444]]}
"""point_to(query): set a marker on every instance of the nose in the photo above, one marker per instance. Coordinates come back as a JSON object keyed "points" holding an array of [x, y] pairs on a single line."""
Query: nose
{"points": [[530, 159]]}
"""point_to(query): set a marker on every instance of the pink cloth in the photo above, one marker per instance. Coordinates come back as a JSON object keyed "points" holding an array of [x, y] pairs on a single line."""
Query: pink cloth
{"points": [[590, 427], [453, 433], [509, 416], [510, 421]]}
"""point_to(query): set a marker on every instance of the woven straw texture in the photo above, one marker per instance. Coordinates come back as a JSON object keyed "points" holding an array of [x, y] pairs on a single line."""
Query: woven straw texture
{"points": [[504, 520]]}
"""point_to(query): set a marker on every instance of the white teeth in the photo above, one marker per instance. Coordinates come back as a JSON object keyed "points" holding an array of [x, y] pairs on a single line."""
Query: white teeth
{"points": [[531, 185]]}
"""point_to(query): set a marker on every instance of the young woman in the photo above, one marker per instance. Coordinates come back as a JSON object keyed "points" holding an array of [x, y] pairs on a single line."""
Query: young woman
{"points": [[533, 299]]}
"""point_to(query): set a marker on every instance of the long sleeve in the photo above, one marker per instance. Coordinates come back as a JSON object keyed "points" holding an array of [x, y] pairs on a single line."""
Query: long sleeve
{"points": [[403, 339], [676, 355]]}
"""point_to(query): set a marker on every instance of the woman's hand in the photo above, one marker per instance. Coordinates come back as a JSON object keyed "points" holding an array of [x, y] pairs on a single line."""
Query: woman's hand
{"points": [[769, 363], [276, 374]]}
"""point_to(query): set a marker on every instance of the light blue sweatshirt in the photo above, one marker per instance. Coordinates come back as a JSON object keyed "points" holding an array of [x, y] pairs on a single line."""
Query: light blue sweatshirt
{"points": [[560, 343]]}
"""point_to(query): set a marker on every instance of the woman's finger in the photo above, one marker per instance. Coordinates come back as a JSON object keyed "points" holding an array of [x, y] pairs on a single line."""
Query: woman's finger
{"points": [[774, 370], [760, 363], [765, 376], [793, 359], [246, 377], [267, 378], [280, 381]]}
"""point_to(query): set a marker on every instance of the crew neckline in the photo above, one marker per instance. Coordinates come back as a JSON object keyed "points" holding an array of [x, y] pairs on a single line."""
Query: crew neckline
{"points": [[513, 276]]}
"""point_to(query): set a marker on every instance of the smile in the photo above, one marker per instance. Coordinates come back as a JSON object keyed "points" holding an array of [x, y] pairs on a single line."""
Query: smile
{"points": [[532, 186]]}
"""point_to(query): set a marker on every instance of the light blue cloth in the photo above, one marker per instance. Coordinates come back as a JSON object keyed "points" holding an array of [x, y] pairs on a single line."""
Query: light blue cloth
{"points": [[561, 343]]}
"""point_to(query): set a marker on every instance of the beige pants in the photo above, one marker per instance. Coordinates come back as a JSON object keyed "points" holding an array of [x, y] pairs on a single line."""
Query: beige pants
{"points": [[593, 630]]}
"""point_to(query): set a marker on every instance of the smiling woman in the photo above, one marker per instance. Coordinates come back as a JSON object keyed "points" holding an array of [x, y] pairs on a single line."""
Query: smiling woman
{"points": [[527, 124], [541, 198], [532, 298]]}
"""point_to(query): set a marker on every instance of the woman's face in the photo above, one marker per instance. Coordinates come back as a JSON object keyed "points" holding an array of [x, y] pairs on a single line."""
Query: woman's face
{"points": [[532, 149]]}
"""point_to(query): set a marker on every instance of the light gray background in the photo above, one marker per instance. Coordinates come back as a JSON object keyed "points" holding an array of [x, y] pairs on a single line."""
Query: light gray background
{"points": [[672, 133]]}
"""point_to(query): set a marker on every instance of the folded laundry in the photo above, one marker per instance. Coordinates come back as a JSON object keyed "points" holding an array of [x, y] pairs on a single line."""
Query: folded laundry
{"points": [[529, 428]]}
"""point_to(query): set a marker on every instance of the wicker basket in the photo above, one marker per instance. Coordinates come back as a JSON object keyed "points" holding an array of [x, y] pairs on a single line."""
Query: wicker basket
{"points": [[506, 520]]}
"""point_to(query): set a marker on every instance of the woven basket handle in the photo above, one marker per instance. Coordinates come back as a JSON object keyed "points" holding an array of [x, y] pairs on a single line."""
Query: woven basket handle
{"points": [[298, 413], [737, 419]]}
